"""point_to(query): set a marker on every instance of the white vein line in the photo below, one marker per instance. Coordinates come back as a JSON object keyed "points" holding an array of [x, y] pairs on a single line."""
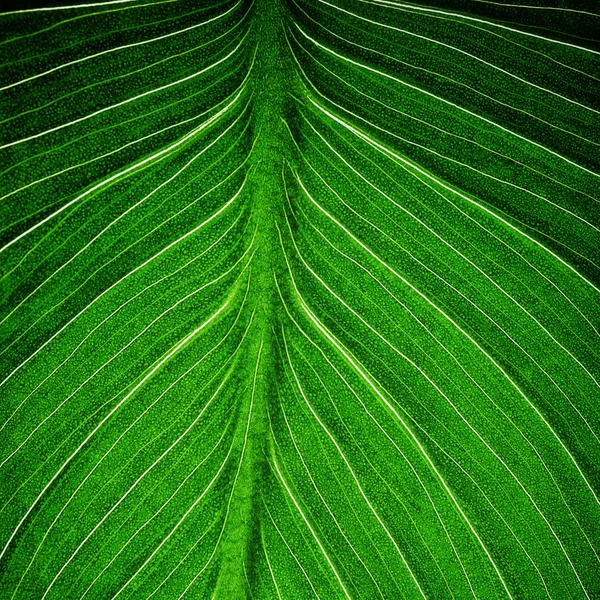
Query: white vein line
{"points": [[432, 231], [226, 514], [307, 522], [397, 158], [469, 261], [507, 246], [178, 524], [163, 506], [116, 81], [96, 412], [443, 100], [507, 5], [174, 350], [124, 102], [335, 520], [368, 379], [115, 221], [115, 356], [79, 17], [239, 468], [127, 345], [77, 6], [448, 46], [385, 433], [360, 401], [507, 39], [312, 587], [469, 217], [352, 473], [490, 23], [113, 313], [158, 155], [529, 443], [416, 441], [137, 481], [501, 36], [472, 168], [98, 157], [471, 339], [262, 540], [225, 363], [126, 46], [447, 399], [428, 124], [127, 122], [145, 263], [124, 433], [191, 549]]}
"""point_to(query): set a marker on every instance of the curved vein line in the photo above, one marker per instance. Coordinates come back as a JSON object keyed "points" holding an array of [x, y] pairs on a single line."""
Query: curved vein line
{"points": [[431, 125], [466, 298], [398, 159], [477, 434], [471, 339], [290, 550], [352, 473], [237, 473], [307, 522], [160, 363], [109, 316], [145, 263], [89, 14], [163, 506], [503, 37], [335, 520], [124, 102], [226, 362], [508, 418], [512, 250], [127, 122], [129, 428], [77, 6], [420, 222], [448, 46], [99, 157], [116, 81], [115, 356], [136, 482], [160, 155], [166, 539], [367, 378], [387, 435], [126, 46], [440, 99], [264, 546], [469, 261], [114, 222], [491, 23], [363, 374], [472, 168]]}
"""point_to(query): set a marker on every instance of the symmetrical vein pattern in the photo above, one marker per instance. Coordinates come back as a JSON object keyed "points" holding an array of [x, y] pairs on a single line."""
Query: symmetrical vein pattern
{"points": [[300, 299]]}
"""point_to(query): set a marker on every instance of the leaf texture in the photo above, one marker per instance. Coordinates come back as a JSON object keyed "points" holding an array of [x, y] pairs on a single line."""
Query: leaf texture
{"points": [[300, 299]]}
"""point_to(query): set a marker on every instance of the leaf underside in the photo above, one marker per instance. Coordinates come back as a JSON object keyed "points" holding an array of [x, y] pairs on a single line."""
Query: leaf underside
{"points": [[300, 299]]}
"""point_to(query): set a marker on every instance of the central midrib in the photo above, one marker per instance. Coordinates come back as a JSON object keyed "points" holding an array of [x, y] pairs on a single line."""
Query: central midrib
{"points": [[268, 85]]}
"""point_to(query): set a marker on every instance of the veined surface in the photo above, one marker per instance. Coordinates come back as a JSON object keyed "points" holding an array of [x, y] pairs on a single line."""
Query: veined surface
{"points": [[300, 299]]}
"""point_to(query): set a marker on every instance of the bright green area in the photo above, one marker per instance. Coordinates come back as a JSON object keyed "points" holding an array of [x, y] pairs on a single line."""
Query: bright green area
{"points": [[300, 299]]}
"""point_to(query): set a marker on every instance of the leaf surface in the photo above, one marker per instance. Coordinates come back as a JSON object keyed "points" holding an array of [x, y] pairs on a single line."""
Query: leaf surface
{"points": [[300, 299]]}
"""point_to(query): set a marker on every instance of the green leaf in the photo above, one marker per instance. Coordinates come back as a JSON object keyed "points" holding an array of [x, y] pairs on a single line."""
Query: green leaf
{"points": [[300, 299]]}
